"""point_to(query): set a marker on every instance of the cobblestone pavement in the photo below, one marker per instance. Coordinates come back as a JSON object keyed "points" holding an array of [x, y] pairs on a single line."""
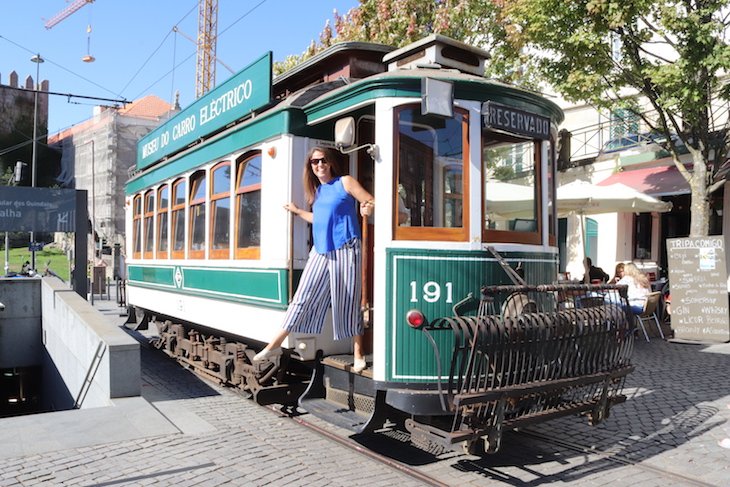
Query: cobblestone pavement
{"points": [[666, 434]]}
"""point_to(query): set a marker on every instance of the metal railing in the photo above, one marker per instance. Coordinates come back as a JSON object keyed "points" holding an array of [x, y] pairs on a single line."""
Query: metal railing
{"points": [[593, 140]]}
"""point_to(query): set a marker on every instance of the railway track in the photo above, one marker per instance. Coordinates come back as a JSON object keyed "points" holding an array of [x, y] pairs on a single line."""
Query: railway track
{"points": [[615, 458], [490, 466]]}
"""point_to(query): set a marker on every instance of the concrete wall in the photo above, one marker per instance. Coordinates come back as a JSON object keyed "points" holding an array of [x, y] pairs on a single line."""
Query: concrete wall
{"points": [[20, 323], [72, 332]]}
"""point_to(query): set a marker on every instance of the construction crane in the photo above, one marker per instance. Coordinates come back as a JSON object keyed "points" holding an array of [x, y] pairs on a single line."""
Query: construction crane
{"points": [[207, 40], [73, 7]]}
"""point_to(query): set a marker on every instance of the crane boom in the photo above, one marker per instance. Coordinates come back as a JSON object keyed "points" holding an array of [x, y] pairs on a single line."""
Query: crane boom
{"points": [[207, 40], [77, 4]]}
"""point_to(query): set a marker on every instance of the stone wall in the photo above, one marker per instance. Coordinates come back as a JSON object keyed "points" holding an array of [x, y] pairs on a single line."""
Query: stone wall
{"points": [[86, 348]]}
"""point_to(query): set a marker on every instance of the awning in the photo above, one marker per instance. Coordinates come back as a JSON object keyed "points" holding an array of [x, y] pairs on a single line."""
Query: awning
{"points": [[654, 181]]}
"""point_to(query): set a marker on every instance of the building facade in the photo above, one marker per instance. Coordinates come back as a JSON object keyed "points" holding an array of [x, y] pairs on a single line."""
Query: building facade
{"points": [[98, 154]]}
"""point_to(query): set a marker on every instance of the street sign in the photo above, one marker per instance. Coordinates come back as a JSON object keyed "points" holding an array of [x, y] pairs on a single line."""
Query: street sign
{"points": [[35, 246]]}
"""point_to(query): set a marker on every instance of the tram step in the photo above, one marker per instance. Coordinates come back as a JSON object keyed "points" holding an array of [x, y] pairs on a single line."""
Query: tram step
{"points": [[339, 395], [344, 362], [335, 413]]}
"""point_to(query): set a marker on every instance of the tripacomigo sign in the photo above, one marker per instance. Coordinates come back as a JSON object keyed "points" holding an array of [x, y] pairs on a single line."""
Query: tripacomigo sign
{"points": [[244, 92]]}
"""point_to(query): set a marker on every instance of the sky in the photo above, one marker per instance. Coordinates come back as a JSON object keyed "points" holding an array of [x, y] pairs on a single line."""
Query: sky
{"points": [[136, 51]]}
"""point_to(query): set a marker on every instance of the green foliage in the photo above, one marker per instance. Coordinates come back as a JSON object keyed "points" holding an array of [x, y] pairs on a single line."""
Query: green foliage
{"points": [[670, 53], [400, 22]]}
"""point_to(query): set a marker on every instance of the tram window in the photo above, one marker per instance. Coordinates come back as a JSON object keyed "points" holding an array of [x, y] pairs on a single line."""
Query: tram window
{"points": [[137, 227], [511, 189], [248, 207], [220, 211], [431, 180], [197, 215], [163, 204], [178, 218], [149, 225], [453, 198]]}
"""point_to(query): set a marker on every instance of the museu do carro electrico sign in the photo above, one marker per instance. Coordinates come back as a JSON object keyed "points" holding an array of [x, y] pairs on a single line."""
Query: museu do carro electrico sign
{"points": [[238, 96]]}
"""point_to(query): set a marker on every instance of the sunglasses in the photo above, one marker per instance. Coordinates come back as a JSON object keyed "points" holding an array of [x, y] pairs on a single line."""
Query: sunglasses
{"points": [[321, 160]]}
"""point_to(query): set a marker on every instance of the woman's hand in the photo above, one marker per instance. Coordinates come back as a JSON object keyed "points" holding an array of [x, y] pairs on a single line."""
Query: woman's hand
{"points": [[292, 208], [366, 208], [303, 214]]}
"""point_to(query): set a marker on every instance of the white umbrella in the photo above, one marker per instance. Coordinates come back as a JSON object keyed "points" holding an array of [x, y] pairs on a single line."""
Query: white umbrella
{"points": [[583, 198], [509, 200]]}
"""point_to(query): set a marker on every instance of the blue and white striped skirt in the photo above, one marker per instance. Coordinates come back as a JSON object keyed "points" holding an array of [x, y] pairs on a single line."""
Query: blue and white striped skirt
{"points": [[329, 280]]}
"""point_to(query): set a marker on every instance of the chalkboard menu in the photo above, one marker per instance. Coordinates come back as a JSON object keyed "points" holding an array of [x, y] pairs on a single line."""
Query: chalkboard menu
{"points": [[698, 282]]}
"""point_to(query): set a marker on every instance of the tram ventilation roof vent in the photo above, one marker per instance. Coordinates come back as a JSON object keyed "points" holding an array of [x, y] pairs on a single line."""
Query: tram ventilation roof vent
{"points": [[438, 50]]}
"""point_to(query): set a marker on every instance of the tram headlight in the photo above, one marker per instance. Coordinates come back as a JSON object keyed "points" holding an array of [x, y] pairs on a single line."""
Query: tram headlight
{"points": [[415, 318]]}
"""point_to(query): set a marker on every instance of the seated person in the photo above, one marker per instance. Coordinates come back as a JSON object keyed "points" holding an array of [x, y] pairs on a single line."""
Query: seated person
{"points": [[638, 285], [594, 273], [618, 273]]}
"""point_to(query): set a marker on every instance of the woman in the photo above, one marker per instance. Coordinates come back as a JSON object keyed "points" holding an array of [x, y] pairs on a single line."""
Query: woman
{"points": [[638, 284], [331, 277], [618, 273]]}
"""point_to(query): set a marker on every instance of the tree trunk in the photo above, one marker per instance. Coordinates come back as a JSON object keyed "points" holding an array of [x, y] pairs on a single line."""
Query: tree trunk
{"points": [[699, 207]]}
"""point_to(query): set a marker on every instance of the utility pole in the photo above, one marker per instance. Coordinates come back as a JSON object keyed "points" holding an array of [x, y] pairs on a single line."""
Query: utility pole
{"points": [[37, 59]]}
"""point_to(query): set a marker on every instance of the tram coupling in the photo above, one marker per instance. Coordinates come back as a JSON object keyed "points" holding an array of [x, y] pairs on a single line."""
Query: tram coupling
{"points": [[528, 354]]}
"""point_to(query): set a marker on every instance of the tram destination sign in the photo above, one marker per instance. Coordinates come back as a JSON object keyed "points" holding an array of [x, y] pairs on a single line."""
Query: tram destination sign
{"points": [[496, 116], [242, 93], [24, 209]]}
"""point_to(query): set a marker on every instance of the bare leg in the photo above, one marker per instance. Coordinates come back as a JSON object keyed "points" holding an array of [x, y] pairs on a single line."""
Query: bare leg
{"points": [[278, 340], [357, 347], [359, 363], [273, 345]]}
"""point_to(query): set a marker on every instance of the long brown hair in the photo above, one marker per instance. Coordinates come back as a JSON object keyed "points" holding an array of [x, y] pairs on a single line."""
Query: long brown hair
{"points": [[310, 181], [619, 269]]}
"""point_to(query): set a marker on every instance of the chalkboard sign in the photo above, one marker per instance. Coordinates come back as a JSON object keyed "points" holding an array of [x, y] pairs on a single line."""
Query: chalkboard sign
{"points": [[698, 282]]}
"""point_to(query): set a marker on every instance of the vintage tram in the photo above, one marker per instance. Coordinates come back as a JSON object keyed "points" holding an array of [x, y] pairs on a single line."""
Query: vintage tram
{"points": [[463, 171]]}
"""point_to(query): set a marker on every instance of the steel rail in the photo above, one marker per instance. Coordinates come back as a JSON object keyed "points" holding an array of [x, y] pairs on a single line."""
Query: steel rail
{"points": [[613, 457], [401, 467]]}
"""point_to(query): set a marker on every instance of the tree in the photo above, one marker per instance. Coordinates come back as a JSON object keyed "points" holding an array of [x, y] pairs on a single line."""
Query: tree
{"points": [[672, 54], [400, 22]]}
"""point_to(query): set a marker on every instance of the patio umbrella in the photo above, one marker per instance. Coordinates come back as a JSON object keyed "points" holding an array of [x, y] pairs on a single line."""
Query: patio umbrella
{"points": [[509, 200], [583, 198]]}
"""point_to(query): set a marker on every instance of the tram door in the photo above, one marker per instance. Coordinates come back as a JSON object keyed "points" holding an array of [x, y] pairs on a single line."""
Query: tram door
{"points": [[365, 174]]}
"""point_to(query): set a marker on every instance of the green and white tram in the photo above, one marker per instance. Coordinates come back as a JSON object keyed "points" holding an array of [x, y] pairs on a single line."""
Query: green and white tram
{"points": [[463, 172]]}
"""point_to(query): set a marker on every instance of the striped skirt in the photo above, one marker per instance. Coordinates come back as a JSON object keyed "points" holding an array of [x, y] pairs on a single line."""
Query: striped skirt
{"points": [[329, 280]]}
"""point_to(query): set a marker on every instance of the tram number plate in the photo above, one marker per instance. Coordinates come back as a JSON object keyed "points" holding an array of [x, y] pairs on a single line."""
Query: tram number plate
{"points": [[432, 292]]}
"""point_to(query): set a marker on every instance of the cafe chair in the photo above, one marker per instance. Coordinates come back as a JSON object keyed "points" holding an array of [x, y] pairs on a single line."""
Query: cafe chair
{"points": [[649, 313]]}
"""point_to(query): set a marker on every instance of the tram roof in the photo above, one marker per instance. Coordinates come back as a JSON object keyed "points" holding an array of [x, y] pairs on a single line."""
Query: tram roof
{"points": [[407, 83], [344, 77]]}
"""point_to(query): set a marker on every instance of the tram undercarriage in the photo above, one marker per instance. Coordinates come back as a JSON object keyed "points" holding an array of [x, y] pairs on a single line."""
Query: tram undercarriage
{"points": [[327, 388]]}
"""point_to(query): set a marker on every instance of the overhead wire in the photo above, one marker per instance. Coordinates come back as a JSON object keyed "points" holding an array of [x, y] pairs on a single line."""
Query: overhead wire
{"points": [[157, 49], [46, 59], [175, 66], [171, 71]]}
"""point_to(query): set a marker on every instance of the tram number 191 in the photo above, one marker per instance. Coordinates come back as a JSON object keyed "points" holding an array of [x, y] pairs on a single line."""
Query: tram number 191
{"points": [[431, 292]]}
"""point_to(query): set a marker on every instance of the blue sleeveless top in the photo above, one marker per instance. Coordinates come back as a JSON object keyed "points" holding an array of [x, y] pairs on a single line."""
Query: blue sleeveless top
{"points": [[334, 217]]}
